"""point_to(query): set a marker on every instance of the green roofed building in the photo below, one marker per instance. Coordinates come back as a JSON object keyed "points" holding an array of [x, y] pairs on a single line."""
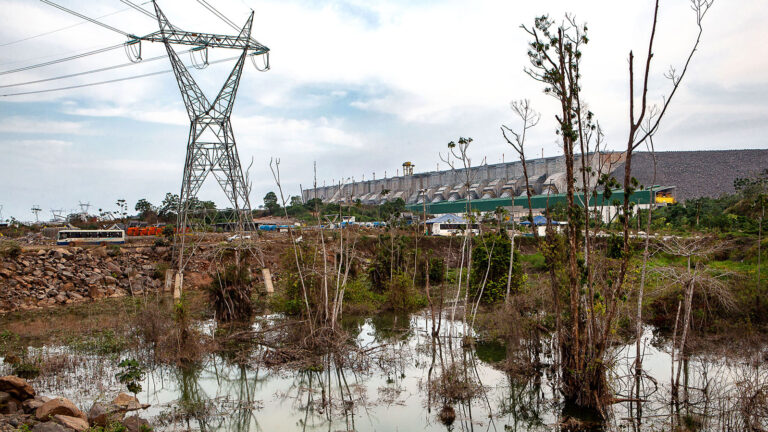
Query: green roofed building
{"points": [[518, 206]]}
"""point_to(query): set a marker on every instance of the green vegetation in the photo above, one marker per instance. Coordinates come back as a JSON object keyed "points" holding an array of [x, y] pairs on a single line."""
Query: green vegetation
{"points": [[402, 296], [26, 370], [105, 342], [131, 373], [490, 266], [10, 249], [360, 298], [742, 212], [112, 427], [310, 210]]}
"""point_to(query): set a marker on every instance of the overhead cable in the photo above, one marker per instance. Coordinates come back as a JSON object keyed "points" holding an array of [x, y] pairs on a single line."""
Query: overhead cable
{"points": [[89, 71], [62, 60], [107, 81], [140, 9], [57, 30], [220, 15], [79, 15]]}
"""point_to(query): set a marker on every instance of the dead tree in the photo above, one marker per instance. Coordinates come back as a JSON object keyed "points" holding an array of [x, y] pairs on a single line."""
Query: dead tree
{"points": [[646, 252], [694, 277], [637, 135], [459, 152], [555, 53], [530, 118]]}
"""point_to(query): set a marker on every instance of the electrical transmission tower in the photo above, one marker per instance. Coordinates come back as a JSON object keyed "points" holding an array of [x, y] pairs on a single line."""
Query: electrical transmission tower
{"points": [[84, 207], [36, 210], [211, 145]]}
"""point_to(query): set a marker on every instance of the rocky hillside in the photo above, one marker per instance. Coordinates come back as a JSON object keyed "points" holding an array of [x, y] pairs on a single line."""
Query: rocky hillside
{"points": [[50, 276], [697, 173]]}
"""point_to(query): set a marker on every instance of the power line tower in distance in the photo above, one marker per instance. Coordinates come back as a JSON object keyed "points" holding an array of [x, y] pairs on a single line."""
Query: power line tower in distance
{"points": [[36, 210]]}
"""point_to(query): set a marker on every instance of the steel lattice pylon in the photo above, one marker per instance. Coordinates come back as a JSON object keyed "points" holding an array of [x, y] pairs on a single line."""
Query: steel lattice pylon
{"points": [[211, 145]]}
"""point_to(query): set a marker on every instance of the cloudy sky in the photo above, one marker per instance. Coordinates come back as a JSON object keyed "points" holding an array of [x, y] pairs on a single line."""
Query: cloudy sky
{"points": [[356, 86]]}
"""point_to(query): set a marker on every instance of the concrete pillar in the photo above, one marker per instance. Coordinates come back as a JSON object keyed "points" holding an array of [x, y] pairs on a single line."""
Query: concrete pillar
{"points": [[178, 283], [168, 281], [267, 280]]}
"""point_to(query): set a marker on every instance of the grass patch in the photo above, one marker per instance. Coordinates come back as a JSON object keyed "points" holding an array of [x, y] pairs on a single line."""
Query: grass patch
{"points": [[534, 261], [360, 298], [10, 249], [102, 343]]}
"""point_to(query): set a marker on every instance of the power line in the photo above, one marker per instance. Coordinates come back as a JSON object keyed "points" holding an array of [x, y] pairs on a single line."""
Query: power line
{"points": [[220, 15], [89, 71], [62, 60], [79, 15], [108, 81], [140, 9], [58, 29]]}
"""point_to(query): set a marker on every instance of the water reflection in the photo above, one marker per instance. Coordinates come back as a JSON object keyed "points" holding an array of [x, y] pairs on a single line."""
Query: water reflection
{"points": [[401, 377]]}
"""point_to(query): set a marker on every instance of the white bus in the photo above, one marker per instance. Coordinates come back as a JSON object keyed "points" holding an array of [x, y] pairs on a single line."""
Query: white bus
{"points": [[67, 237]]}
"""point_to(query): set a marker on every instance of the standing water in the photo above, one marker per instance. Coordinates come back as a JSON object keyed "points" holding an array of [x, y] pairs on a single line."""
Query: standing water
{"points": [[398, 377]]}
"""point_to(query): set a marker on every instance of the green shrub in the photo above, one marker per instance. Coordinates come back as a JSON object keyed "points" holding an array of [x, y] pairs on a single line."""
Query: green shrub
{"points": [[26, 370], [160, 269], [360, 297], [103, 343], [10, 249], [131, 373], [112, 427], [436, 271], [401, 296], [491, 257], [168, 231], [113, 250]]}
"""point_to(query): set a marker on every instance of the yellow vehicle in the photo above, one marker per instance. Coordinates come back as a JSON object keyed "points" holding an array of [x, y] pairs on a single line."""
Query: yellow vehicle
{"points": [[665, 198]]}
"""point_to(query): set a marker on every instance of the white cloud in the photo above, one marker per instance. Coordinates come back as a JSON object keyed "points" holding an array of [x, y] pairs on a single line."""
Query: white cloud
{"points": [[278, 136], [35, 145], [435, 71], [33, 125], [170, 115]]}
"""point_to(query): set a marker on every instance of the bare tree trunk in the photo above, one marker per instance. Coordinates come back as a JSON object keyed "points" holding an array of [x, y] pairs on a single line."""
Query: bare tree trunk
{"points": [[639, 324], [674, 347], [760, 239], [511, 262], [686, 325]]}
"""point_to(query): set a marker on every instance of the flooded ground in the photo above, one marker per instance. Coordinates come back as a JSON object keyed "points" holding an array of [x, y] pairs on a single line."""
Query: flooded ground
{"points": [[399, 378]]}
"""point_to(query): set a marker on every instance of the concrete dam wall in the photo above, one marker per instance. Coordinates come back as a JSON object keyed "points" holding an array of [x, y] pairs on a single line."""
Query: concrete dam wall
{"points": [[694, 174]]}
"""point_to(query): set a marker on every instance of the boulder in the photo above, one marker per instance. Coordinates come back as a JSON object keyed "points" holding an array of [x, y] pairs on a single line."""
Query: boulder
{"points": [[94, 292], [16, 387], [75, 423], [126, 402], [31, 405], [135, 423], [58, 406], [50, 427], [102, 415], [114, 268], [8, 404]]}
